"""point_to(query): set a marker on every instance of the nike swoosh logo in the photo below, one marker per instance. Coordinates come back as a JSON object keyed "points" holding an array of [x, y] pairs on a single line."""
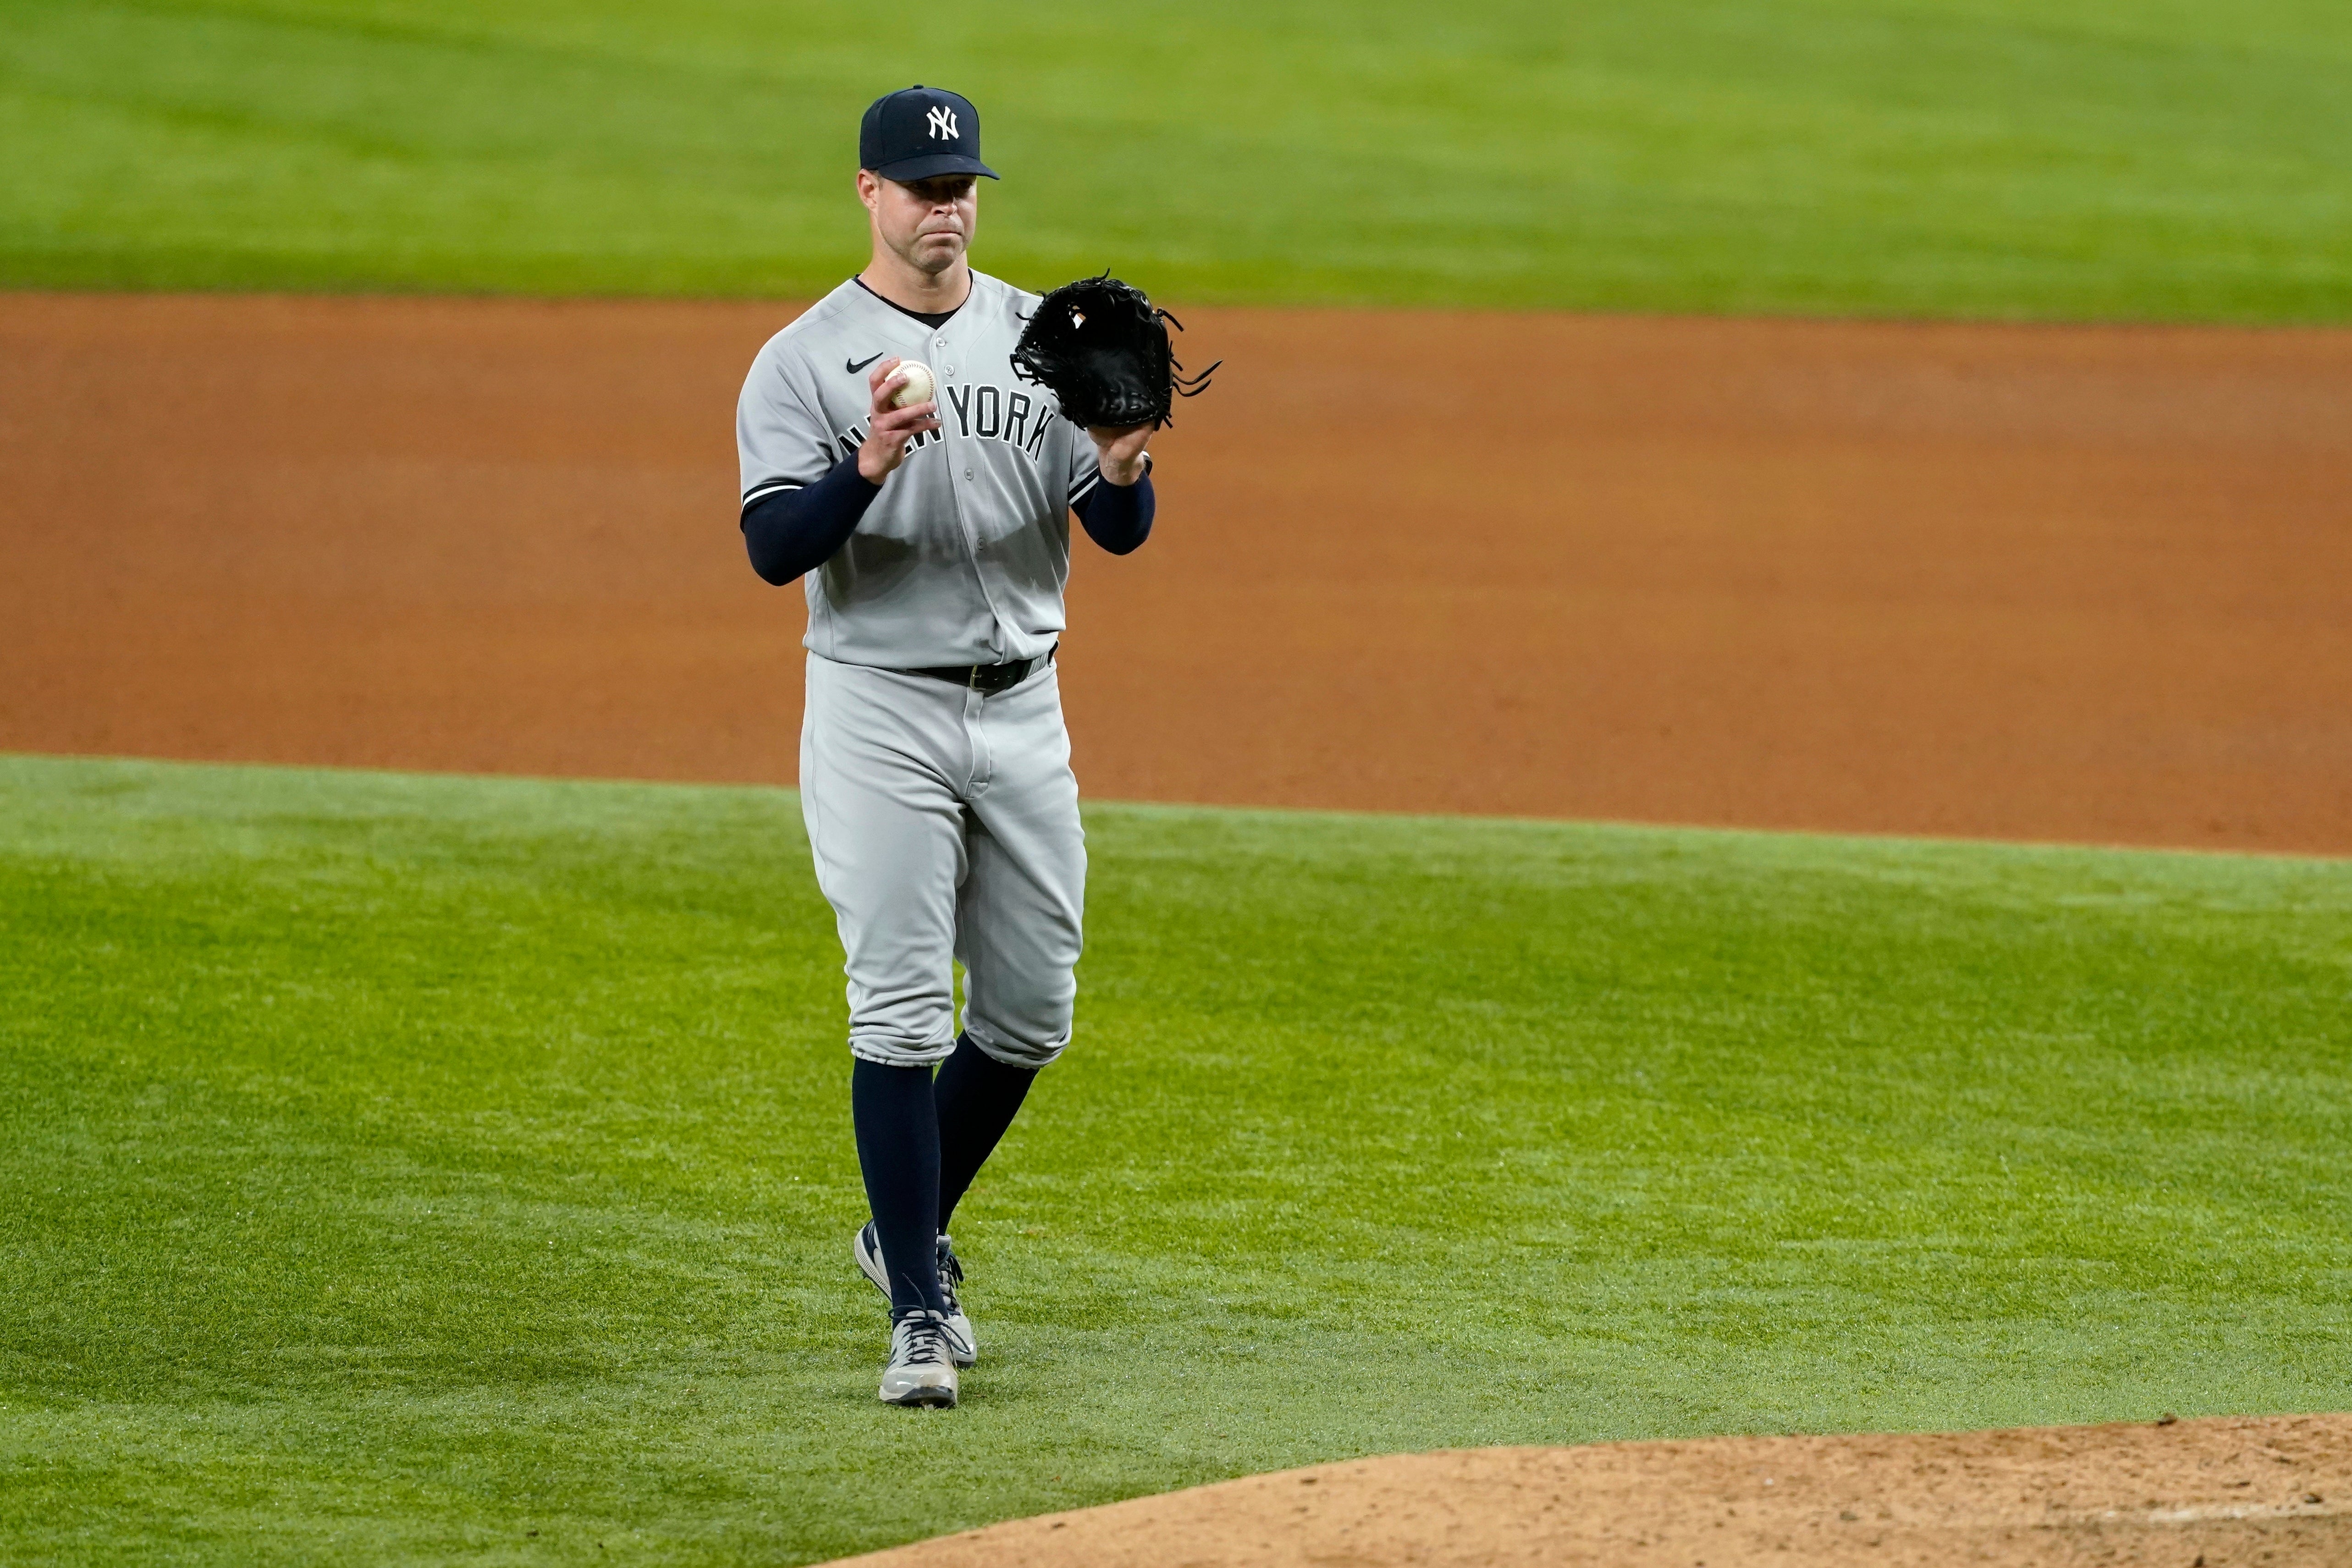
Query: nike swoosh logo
{"points": [[856, 365]]}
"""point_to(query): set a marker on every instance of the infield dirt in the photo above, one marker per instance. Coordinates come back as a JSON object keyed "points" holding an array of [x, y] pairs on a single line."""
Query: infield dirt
{"points": [[2082, 584], [2192, 1494]]}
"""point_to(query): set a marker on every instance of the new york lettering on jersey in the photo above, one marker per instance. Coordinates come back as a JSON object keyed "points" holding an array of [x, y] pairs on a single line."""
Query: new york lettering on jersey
{"points": [[853, 438], [1001, 413], [1016, 415]]}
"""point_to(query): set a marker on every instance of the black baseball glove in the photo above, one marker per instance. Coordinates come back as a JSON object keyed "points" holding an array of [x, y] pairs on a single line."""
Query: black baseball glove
{"points": [[1102, 349]]}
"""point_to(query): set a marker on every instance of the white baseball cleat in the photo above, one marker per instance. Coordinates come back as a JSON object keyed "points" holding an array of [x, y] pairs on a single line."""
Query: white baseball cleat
{"points": [[867, 1248], [961, 1339], [920, 1372]]}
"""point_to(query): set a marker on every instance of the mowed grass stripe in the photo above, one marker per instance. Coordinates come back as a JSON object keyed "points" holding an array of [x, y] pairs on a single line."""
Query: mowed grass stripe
{"points": [[2107, 159], [401, 1165]]}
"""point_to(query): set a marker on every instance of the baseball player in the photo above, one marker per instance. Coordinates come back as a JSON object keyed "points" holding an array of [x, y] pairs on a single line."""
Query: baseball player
{"points": [[933, 540]]}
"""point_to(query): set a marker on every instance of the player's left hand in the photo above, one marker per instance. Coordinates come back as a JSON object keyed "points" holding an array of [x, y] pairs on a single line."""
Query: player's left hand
{"points": [[1119, 450]]}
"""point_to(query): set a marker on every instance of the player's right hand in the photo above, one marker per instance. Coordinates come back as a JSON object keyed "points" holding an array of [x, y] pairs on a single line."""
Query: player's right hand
{"points": [[888, 429]]}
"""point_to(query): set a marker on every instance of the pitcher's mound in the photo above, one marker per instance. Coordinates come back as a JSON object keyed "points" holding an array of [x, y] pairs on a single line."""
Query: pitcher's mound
{"points": [[2223, 1494]]}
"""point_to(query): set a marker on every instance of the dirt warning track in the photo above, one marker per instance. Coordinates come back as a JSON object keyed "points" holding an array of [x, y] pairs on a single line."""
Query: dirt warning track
{"points": [[2025, 582]]}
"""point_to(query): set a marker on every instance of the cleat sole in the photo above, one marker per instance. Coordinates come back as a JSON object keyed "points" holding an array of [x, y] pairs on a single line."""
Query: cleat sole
{"points": [[924, 1398]]}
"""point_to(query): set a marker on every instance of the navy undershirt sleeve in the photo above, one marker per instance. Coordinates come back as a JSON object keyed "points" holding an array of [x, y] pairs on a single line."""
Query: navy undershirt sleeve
{"points": [[1118, 516], [795, 531]]}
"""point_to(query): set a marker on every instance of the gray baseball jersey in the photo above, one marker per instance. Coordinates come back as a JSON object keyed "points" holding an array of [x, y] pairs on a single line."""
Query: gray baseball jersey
{"points": [[962, 557]]}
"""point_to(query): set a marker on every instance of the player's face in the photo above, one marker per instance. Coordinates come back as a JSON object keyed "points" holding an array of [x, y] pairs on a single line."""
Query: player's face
{"points": [[930, 222]]}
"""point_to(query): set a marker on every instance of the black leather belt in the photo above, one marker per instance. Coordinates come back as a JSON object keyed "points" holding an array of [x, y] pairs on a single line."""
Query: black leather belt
{"points": [[991, 679]]}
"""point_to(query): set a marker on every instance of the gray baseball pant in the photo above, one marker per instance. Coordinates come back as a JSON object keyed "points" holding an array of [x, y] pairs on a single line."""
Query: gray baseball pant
{"points": [[944, 824]]}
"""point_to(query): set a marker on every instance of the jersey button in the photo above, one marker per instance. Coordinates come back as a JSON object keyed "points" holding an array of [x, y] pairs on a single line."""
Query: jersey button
{"points": [[967, 474]]}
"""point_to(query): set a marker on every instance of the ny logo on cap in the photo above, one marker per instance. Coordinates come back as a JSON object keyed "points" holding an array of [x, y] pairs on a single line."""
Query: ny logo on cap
{"points": [[942, 123]]}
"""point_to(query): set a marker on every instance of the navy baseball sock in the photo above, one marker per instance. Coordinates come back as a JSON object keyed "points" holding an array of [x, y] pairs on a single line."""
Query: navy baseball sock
{"points": [[898, 1154], [977, 1096]]}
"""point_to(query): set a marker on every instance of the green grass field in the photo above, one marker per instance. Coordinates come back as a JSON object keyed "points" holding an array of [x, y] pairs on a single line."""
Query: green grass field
{"points": [[2161, 159], [398, 1167]]}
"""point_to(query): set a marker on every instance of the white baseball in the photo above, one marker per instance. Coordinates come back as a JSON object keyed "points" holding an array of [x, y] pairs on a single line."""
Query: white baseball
{"points": [[918, 386]]}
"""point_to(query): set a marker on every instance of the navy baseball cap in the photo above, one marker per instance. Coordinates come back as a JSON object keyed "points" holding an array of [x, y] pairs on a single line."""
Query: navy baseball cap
{"points": [[920, 131]]}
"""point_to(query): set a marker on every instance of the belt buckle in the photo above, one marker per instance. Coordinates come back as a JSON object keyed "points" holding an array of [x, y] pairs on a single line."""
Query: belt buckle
{"points": [[990, 679]]}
